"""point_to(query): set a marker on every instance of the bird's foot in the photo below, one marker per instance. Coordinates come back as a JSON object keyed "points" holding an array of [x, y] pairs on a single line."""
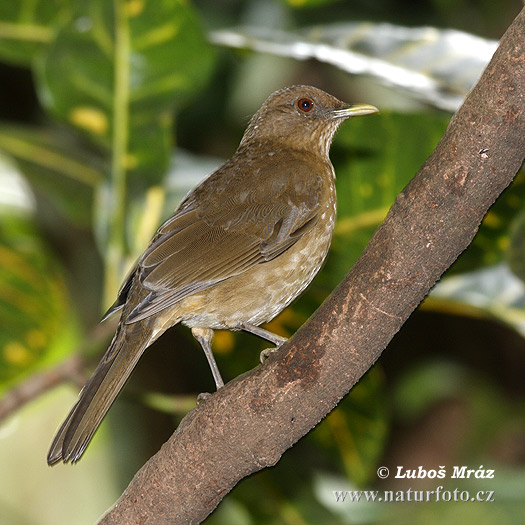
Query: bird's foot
{"points": [[277, 340], [267, 352], [203, 397]]}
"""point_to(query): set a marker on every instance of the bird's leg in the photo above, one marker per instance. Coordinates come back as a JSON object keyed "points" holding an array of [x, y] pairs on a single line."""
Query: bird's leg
{"points": [[204, 336], [277, 340]]}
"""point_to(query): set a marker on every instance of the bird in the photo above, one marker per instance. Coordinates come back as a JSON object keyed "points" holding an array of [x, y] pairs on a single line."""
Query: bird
{"points": [[241, 246]]}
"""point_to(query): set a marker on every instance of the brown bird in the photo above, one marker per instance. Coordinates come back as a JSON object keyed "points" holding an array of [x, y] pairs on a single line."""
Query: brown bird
{"points": [[239, 249]]}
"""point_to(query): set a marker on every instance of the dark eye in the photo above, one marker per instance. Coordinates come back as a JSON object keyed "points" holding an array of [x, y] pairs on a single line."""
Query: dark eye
{"points": [[305, 104]]}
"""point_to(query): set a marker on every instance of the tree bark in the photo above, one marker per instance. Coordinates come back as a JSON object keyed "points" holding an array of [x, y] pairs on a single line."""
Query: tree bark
{"points": [[253, 420]]}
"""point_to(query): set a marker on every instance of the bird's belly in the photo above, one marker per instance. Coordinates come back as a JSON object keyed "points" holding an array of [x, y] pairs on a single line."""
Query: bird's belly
{"points": [[261, 293]]}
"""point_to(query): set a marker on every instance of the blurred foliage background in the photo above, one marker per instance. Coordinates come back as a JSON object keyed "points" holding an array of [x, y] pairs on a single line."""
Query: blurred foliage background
{"points": [[110, 112]]}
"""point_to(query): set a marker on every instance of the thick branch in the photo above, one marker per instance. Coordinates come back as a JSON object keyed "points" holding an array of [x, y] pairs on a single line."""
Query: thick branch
{"points": [[250, 423]]}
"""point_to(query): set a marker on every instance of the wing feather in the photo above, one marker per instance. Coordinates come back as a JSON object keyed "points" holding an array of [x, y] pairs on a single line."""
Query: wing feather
{"points": [[206, 242]]}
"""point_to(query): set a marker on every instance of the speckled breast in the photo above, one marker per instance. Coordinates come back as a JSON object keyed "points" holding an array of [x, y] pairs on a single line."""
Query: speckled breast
{"points": [[262, 292]]}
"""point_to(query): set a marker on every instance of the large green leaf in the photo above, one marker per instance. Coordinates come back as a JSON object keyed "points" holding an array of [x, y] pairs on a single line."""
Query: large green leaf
{"points": [[118, 72], [35, 315], [28, 26], [57, 166]]}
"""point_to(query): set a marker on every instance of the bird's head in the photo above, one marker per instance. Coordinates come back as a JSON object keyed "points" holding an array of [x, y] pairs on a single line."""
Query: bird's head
{"points": [[301, 117]]}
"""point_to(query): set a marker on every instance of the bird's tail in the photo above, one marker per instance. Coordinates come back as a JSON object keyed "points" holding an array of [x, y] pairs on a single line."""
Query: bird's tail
{"points": [[100, 391]]}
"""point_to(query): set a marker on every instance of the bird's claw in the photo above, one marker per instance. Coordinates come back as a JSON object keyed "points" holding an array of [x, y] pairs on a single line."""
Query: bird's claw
{"points": [[203, 397], [267, 352]]}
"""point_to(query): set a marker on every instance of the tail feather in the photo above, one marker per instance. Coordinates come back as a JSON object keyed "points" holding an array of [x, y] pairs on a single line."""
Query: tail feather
{"points": [[100, 392]]}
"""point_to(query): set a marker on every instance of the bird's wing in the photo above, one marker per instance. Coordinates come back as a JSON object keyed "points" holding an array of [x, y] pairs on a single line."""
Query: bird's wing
{"points": [[208, 240]]}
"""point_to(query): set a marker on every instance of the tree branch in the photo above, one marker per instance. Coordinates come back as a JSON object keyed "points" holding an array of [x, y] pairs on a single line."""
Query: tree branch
{"points": [[37, 384], [250, 423], [71, 369]]}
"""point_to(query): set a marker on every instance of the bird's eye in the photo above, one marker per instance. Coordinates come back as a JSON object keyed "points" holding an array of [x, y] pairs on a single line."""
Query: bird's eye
{"points": [[305, 104]]}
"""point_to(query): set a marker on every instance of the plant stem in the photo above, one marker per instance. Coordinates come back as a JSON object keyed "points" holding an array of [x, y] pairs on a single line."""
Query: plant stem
{"points": [[117, 245]]}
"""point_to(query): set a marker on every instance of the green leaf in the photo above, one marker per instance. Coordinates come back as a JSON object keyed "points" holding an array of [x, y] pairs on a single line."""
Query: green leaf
{"points": [[374, 158], [28, 26], [57, 166], [118, 72], [493, 291], [38, 326]]}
